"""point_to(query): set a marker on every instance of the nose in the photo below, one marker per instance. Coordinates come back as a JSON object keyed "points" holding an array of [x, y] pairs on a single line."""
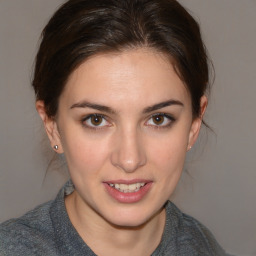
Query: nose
{"points": [[128, 154]]}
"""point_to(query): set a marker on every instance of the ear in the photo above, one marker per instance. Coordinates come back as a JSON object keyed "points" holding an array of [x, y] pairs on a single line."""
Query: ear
{"points": [[196, 124], [50, 126]]}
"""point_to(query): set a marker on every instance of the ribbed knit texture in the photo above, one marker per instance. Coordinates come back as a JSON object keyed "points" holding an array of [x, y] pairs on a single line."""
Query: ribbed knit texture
{"points": [[47, 230]]}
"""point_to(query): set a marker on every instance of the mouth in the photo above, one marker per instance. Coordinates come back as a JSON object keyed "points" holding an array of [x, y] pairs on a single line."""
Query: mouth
{"points": [[128, 191], [127, 188]]}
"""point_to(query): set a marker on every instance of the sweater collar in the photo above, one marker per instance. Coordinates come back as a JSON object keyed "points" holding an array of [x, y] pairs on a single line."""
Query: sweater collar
{"points": [[67, 238]]}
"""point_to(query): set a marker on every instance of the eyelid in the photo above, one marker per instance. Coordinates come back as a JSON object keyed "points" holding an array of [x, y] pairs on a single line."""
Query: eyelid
{"points": [[168, 116], [87, 117]]}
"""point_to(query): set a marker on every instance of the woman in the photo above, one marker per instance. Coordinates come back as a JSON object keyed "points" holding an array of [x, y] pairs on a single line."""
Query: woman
{"points": [[120, 86]]}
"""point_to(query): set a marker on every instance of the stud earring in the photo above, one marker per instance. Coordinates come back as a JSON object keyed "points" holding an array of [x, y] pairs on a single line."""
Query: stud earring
{"points": [[56, 147]]}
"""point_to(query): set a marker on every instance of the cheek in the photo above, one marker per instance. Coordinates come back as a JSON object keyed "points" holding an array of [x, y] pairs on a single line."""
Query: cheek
{"points": [[168, 161], [84, 154], [168, 154]]}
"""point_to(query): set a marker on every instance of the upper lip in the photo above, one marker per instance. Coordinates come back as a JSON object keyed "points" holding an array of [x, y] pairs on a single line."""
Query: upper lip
{"points": [[128, 181]]}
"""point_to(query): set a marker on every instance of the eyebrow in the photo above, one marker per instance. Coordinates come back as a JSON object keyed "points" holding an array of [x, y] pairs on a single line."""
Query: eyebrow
{"points": [[86, 104], [162, 105]]}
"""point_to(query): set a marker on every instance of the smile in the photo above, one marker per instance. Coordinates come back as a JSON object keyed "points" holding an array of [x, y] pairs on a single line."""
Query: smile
{"points": [[127, 188], [131, 191]]}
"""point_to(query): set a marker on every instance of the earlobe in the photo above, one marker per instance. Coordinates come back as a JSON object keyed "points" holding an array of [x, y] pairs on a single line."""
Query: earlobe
{"points": [[50, 127], [194, 132], [203, 105], [196, 124]]}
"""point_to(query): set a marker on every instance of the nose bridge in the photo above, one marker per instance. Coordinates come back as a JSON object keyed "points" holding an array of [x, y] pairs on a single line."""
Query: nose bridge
{"points": [[129, 153]]}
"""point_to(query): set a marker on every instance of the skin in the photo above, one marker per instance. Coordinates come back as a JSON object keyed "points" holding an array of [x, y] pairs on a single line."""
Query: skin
{"points": [[127, 144]]}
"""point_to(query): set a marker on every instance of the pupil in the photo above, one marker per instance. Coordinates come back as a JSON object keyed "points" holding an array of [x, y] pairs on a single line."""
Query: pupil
{"points": [[158, 119], [96, 120]]}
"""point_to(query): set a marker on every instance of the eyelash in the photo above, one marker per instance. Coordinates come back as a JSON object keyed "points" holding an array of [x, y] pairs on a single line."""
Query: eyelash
{"points": [[170, 121], [89, 117]]}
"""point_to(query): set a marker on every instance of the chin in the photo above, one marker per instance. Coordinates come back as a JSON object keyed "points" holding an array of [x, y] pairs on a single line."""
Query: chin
{"points": [[128, 222], [132, 218]]}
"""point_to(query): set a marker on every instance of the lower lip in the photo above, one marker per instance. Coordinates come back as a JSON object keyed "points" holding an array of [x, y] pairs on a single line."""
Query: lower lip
{"points": [[128, 197]]}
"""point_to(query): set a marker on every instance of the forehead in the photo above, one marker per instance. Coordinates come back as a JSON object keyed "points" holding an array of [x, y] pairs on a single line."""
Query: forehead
{"points": [[125, 77]]}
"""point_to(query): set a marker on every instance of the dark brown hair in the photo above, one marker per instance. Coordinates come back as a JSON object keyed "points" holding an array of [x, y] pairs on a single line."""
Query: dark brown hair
{"points": [[82, 28]]}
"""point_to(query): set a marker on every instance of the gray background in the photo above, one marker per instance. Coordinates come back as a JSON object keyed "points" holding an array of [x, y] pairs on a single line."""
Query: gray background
{"points": [[219, 187]]}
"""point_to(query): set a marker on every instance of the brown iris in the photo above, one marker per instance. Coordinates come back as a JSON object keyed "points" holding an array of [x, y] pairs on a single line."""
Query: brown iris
{"points": [[158, 119], [96, 120]]}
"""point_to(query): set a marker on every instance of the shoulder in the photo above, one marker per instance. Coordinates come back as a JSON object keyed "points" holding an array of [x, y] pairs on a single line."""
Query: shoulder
{"points": [[29, 234], [191, 235]]}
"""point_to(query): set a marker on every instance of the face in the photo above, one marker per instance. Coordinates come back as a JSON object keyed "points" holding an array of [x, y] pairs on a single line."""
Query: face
{"points": [[124, 124]]}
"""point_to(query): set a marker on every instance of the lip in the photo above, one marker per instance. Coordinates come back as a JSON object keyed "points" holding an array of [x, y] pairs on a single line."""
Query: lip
{"points": [[127, 182], [133, 197]]}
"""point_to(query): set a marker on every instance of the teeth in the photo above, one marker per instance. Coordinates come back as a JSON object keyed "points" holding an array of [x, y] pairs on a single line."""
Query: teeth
{"points": [[122, 187], [125, 188], [133, 186]]}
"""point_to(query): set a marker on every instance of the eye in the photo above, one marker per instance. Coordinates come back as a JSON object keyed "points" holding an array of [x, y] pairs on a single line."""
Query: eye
{"points": [[160, 120], [94, 121]]}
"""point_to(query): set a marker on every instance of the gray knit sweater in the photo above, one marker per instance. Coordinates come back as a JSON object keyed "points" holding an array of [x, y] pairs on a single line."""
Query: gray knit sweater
{"points": [[47, 230]]}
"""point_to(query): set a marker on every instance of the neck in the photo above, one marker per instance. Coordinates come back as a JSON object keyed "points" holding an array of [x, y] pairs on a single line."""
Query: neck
{"points": [[105, 238]]}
